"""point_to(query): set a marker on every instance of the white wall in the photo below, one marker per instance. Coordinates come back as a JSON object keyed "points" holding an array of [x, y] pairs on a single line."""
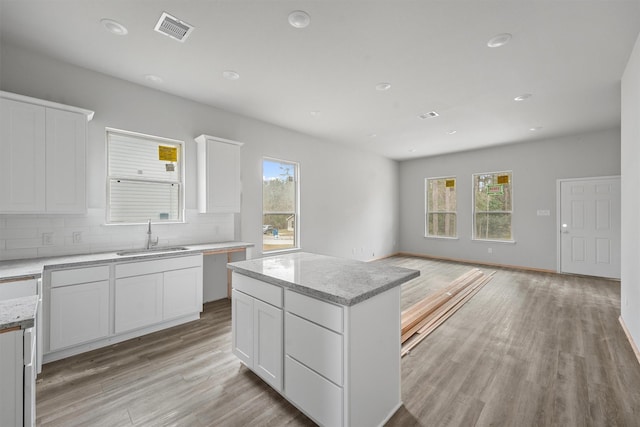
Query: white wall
{"points": [[630, 284], [348, 197], [536, 166]]}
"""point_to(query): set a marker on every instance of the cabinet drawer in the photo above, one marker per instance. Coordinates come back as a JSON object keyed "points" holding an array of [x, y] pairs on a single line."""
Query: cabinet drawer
{"points": [[320, 312], [138, 268], [79, 275], [18, 289], [317, 397], [266, 292], [314, 346]]}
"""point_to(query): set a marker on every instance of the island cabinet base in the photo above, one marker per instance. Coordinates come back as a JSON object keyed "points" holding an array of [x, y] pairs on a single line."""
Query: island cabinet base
{"points": [[340, 365]]}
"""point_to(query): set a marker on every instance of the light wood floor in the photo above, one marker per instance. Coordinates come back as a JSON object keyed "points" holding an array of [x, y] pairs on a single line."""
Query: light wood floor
{"points": [[530, 349]]}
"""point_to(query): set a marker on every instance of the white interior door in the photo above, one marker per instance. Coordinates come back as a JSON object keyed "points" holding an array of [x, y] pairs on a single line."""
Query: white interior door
{"points": [[590, 227]]}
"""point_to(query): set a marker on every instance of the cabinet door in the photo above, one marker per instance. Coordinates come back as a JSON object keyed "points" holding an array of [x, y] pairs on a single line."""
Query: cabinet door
{"points": [[219, 175], [79, 313], [182, 292], [242, 326], [267, 343], [11, 366], [22, 159], [138, 302], [224, 177], [65, 169]]}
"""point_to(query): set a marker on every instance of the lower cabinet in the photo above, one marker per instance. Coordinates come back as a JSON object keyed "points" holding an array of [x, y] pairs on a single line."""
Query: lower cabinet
{"points": [[138, 302], [340, 365], [90, 307], [17, 378], [181, 292], [257, 328], [79, 306]]}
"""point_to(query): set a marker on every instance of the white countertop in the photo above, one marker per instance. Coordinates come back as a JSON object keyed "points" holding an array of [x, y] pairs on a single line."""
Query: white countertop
{"points": [[338, 280], [18, 312], [33, 267]]}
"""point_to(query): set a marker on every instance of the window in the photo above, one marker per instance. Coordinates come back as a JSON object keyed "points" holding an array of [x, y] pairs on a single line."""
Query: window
{"points": [[144, 178], [492, 206], [280, 216], [440, 207]]}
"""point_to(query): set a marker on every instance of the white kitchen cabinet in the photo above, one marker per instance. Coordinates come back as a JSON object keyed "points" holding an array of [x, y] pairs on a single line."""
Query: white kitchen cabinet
{"points": [[78, 306], [11, 378], [66, 135], [181, 292], [18, 288], [22, 164], [267, 343], [340, 364], [138, 302], [94, 306], [42, 169], [219, 183], [257, 331], [150, 292], [242, 327]]}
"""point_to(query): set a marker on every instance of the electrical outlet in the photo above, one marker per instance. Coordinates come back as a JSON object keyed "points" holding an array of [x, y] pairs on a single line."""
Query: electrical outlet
{"points": [[77, 237], [47, 239]]}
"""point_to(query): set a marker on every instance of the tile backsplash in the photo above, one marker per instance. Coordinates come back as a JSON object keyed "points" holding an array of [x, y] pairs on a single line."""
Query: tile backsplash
{"points": [[24, 236]]}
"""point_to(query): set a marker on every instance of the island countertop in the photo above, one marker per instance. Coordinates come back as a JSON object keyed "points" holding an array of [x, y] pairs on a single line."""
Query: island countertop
{"points": [[338, 280], [18, 312]]}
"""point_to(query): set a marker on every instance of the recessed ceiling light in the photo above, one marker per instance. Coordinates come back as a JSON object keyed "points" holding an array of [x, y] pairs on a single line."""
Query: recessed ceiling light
{"points": [[451, 132], [522, 97], [383, 86], [230, 75], [299, 19], [499, 40], [429, 115], [114, 27], [535, 129], [314, 113], [153, 78]]}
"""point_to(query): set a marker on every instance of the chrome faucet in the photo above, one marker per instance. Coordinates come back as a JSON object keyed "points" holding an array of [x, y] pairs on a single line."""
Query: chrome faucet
{"points": [[150, 241]]}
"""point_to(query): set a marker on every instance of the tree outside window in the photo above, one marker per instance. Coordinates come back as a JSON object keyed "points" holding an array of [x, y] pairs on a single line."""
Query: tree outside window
{"points": [[441, 205], [279, 205], [492, 206]]}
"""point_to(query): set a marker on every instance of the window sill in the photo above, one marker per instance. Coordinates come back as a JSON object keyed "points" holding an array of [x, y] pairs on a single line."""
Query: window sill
{"points": [[509, 242], [442, 238]]}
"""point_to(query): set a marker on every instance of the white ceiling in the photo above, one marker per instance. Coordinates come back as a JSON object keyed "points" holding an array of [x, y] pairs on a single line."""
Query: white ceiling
{"points": [[570, 54]]}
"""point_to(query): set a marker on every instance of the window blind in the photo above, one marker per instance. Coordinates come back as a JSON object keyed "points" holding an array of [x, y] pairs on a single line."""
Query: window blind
{"points": [[144, 179]]}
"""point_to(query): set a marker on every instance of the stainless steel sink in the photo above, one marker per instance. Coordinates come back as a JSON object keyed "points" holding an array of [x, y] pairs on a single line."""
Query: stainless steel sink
{"points": [[152, 250]]}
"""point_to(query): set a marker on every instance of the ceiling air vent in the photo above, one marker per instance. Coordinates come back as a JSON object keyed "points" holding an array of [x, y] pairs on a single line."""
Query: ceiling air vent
{"points": [[173, 27]]}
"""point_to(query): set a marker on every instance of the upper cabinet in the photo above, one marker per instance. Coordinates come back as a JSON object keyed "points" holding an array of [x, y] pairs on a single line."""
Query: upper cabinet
{"points": [[42, 161], [219, 186]]}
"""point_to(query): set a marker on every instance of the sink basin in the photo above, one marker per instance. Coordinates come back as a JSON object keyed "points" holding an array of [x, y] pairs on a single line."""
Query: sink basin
{"points": [[152, 250]]}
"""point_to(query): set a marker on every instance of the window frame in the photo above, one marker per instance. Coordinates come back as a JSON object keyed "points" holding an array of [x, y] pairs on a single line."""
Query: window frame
{"points": [[427, 211], [473, 207], [180, 183], [297, 180]]}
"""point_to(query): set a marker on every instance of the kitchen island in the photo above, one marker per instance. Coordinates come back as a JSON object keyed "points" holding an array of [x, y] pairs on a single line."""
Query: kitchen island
{"points": [[322, 331]]}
